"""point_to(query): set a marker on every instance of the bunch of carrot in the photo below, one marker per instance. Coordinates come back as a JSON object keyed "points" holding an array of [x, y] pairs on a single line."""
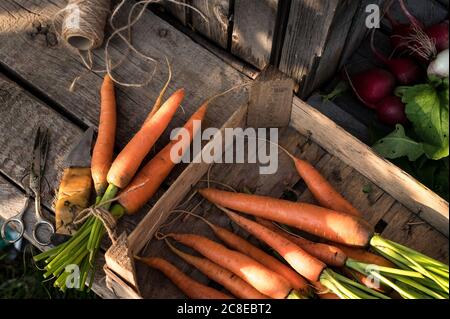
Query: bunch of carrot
{"points": [[116, 180], [411, 274]]}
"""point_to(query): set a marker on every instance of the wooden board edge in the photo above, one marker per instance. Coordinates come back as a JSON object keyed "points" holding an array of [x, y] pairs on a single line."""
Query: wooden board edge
{"points": [[399, 184]]}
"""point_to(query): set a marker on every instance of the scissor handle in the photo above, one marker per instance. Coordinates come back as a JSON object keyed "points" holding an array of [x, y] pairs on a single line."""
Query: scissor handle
{"points": [[20, 229], [39, 224]]}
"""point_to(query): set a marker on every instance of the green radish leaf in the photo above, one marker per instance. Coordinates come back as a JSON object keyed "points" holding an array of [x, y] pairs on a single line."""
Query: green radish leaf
{"points": [[397, 144], [427, 109]]}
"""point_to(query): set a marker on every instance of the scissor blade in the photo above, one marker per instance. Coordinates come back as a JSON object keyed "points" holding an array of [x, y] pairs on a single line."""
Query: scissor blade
{"points": [[80, 154]]}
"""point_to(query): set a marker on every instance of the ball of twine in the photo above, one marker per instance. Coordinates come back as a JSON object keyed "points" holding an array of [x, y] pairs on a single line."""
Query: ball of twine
{"points": [[84, 23]]}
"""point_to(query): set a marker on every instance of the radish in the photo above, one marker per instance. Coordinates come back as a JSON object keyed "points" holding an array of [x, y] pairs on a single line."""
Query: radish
{"points": [[391, 111], [439, 67], [439, 34], [372, 86], [412, 38], [405, 70]]}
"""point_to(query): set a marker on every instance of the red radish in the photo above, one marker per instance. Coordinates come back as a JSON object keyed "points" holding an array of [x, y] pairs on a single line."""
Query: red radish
{"points": [[372, 86], [400, 31], [391, 111], [405, 70], [439, 34]]}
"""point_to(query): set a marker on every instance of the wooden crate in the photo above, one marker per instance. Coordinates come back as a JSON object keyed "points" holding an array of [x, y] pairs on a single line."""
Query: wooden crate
{"points": [[309, 40], [393, 202]]}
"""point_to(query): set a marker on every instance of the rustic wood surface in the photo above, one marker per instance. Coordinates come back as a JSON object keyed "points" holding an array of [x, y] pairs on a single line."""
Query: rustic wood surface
{"points": [[254, 28], [217, 26], [307, 32], [178, 11], [193, 67], [329, 57]]}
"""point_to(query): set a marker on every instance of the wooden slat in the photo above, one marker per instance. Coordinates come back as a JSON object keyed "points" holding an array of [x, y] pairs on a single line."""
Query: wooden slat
{"points": [[408, 229], [216, 28], [329, 58], [201, 73], [12, 201], [253, 32], [419, 199], [306, 35], [178, 11], [358, 30]]}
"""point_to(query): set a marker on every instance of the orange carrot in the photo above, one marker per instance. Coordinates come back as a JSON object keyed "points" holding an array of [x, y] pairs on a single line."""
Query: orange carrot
{"points": [[187, 285], [238, 243], [305, 264], [322, 190], [145, 184], [227, 279], [328, 254], [128, 161], [102, 154], [257, 275], [322, 222]]}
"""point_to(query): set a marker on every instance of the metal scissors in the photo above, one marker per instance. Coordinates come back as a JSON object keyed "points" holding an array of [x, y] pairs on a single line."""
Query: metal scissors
{"points": [[39, 157]]}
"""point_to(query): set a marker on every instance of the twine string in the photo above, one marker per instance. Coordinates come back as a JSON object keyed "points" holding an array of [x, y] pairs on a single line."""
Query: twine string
{"points": [[83, 24]]}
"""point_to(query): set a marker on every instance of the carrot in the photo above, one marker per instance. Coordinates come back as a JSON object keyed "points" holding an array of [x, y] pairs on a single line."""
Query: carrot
{"points": [[257, 275], [328, 254], [322, 222], [128, 161], [104, 146], [322, 190], [365, 256], [238, 243], [306, 265], [227, 279], [187, 285], [145, 184]]}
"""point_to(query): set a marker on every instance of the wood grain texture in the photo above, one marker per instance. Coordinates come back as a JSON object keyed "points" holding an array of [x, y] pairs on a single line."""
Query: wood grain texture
{"points": [[408, 191], [358, 30], [336, 39], [217, 26], [178, 11], [306, 35], [270, 99], [253, 32], [200, 72]]}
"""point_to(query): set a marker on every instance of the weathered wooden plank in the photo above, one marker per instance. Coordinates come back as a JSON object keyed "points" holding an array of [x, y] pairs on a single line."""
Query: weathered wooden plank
{"points": [[12, 201], [330, 56], [306, 35], [253, 32], [358, 30], [408, 229], [217, 26], [177, 10], [404, 188], [52, 69]]}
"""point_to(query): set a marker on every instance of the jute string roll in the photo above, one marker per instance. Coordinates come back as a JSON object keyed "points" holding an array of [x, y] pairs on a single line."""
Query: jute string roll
{"points": [[84, 23]]}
